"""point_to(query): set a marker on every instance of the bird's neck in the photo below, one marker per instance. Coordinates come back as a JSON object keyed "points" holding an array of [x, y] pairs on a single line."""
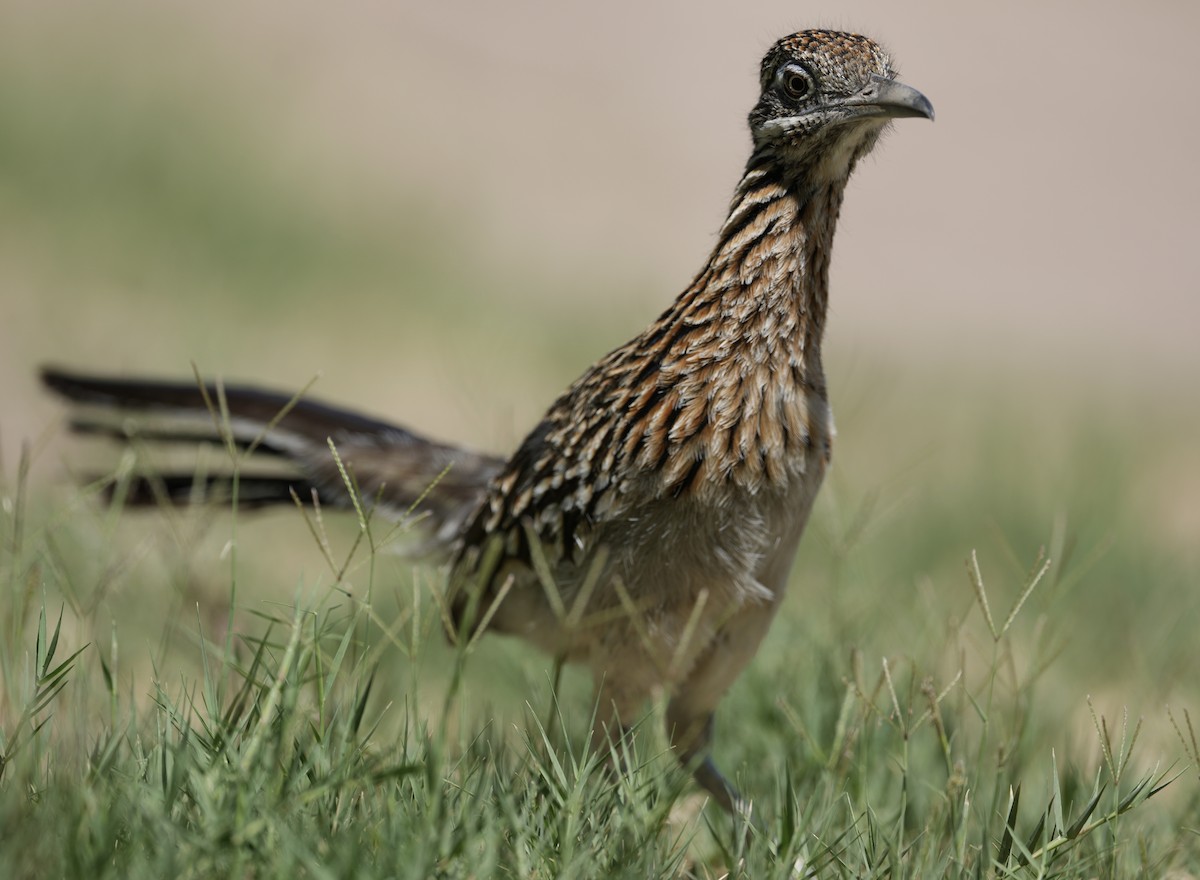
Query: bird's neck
{"points": [[737, 396], [768, 275]]}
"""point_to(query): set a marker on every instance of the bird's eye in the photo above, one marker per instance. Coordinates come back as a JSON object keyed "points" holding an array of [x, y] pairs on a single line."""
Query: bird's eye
{"points": [[796, 83]]}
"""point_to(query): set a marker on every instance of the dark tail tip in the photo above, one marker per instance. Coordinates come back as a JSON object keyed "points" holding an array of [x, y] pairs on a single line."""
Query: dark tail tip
{"points": [[84, 388]]}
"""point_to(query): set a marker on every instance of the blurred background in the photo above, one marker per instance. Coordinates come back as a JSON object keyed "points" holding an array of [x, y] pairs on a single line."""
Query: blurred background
{"points": [[449, 210]]}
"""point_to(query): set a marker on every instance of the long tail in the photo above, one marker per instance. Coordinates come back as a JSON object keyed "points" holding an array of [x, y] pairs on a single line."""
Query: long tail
{"points": [[392, 468]]}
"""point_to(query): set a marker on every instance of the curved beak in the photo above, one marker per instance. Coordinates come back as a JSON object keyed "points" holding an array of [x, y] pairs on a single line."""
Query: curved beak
{"points": [[891, 98]]}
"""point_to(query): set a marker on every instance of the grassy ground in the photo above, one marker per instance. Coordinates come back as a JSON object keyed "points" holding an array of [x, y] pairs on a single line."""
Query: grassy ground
{"points": [[985, 667], [180, 701]]}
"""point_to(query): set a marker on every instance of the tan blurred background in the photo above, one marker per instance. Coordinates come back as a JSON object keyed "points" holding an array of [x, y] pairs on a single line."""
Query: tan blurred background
{"points": [[1047, 219], [449, 209]]}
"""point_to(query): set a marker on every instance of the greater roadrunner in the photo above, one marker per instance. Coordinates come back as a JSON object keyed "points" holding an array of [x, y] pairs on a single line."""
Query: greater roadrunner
{"points": [[666, 490]]}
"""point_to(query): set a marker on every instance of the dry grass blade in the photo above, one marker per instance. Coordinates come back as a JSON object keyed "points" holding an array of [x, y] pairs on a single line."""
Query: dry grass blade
{"points": [[1189, 742], [891, 688], [976, 577], [1030, 585], [541, 567], [316, 526]]}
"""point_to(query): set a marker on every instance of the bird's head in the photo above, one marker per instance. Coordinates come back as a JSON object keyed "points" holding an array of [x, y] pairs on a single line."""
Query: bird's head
{"points": [[826, 96]]}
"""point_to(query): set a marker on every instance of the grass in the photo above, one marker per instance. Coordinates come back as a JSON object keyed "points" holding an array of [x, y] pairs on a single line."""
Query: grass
{"points": [[328, 733], [985, 667]]}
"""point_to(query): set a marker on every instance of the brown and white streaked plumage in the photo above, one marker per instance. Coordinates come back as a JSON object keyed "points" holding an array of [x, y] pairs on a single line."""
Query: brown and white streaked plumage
{"points": [[668, 487]]}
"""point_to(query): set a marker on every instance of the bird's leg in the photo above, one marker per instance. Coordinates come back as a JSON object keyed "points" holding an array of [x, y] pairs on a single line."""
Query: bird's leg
{"points": [[690, 711], [691, 737]]}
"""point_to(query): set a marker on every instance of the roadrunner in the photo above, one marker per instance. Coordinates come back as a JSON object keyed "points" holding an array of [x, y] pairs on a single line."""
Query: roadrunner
{"points": [[647, 525]]}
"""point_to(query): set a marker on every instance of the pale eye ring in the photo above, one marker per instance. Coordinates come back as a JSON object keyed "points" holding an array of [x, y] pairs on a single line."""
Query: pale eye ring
{"points": [[796, 83]]}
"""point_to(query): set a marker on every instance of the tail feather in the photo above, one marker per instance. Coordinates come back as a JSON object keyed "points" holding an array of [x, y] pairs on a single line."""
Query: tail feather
{"points": [[308, 418], [146, 490], [390, 465], [180, 435]]}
